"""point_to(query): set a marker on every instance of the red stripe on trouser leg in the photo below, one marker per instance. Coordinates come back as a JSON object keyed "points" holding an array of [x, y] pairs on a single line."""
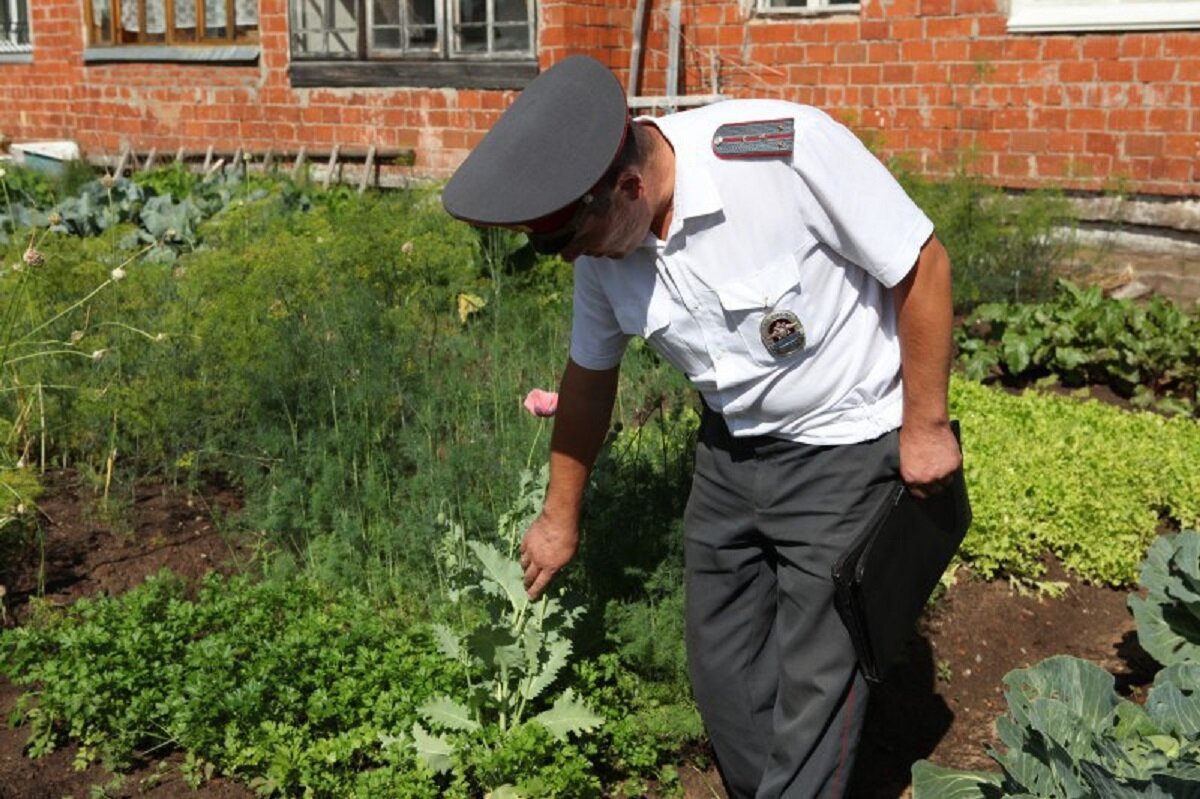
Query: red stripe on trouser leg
{"points": [[837, 777], [765, 521]]}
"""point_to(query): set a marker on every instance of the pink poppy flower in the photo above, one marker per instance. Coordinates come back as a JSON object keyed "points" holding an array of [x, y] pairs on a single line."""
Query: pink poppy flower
{"points": [[541, 403]]}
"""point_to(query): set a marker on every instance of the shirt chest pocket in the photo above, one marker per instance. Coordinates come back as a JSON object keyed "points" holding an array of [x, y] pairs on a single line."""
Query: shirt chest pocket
{"points": [[770, 315], [649, 314], [643, 308]]}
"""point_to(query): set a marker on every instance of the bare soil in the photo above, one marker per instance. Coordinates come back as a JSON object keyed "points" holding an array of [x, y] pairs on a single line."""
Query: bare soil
{"points": [[939, 704]]}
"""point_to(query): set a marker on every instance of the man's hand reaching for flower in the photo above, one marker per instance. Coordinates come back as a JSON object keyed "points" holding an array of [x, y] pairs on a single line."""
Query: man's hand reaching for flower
{"points": [[545, 549]]}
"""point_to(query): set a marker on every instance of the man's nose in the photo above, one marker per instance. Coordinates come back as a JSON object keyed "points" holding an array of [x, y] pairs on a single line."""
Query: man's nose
{"points": [[571, 252]]}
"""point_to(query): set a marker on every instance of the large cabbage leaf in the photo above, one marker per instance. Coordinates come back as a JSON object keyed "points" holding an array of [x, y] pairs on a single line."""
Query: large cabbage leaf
{"points": [[1168, 617]]}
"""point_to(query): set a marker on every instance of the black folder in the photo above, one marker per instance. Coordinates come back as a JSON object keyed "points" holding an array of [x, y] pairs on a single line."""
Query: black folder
{"points": [[887, 575]]}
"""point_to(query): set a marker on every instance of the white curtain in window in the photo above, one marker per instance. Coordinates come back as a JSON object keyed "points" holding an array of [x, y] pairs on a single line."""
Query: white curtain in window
{"points": [[155, 16], [14, 25], [246, 12]]}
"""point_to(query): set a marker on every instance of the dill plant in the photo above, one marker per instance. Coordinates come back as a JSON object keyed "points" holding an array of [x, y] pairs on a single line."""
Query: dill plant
{"points": [[1003, 247], [322, 362], [53, 316]]}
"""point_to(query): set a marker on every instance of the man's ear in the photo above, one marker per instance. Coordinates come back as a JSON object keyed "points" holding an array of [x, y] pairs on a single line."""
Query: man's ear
{"points": [[631, 184]]}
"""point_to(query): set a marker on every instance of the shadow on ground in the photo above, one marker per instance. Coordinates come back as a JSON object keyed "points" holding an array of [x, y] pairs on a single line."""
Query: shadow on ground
{"points": [[906, 718]]}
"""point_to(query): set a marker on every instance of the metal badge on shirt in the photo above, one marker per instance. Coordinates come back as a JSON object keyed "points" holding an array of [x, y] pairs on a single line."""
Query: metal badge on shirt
{"points": [[781, 333]]}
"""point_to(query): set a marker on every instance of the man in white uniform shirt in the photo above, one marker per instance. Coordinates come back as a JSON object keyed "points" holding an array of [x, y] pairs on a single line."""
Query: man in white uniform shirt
{"points": [[763, 251]]}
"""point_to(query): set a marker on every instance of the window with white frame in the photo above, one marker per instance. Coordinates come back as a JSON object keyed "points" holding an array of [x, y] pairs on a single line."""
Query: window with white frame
{"points": [[1100, 15], [415, 29], [171, 22], [806, 6], [14, 26]]}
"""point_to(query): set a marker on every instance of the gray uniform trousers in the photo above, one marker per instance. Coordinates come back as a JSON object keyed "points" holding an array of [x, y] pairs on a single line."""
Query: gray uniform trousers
{"points": [[772, 666]]}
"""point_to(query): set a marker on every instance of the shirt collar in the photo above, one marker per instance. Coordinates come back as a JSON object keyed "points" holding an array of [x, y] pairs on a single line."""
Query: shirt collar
{"points": [[695, 194]]}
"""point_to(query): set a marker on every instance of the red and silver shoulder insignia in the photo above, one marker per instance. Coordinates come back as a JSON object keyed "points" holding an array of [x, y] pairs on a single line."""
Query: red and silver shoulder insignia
{"points": [[755, 139]]}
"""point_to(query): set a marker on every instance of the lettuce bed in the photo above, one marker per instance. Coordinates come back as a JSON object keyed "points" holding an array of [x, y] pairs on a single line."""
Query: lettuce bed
{"points": [[1090, 483]]}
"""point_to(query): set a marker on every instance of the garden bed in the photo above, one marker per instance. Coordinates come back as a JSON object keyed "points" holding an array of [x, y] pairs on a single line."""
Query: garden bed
{"points": [[941, 704], [183, 328]]}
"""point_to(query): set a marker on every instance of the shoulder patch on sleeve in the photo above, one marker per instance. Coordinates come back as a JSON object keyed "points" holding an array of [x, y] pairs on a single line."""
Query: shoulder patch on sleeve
{"points": [[755, 139]]}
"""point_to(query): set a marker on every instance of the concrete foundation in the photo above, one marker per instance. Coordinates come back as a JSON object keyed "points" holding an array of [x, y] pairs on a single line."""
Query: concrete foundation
{"points": [[1154, 242]]}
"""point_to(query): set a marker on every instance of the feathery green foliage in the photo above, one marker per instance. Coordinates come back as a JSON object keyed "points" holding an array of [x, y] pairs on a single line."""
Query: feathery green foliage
{"points": [[1002, 247]]}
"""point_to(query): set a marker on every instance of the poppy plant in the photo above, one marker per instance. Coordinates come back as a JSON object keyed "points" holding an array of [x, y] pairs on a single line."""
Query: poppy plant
{"points": [[541, 403]]}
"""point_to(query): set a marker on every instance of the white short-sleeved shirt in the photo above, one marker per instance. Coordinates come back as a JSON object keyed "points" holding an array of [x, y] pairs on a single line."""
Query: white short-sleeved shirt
{"points": [[823, 234]]}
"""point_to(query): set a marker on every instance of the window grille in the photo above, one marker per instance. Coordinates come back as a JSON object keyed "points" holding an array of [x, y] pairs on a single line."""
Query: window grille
{"points": [[422, 29]]}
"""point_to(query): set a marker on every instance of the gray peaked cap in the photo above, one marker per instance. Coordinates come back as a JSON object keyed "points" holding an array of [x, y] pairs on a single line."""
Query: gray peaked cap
{"points": [[550, 147]]}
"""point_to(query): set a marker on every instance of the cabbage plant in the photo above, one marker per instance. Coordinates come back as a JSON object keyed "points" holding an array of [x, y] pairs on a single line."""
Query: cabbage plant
{"points": [[1068, 735], [1168, 617]]}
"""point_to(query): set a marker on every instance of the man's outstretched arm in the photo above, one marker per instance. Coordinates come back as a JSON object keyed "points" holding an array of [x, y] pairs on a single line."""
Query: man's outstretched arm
{"points": [[585, 401]]}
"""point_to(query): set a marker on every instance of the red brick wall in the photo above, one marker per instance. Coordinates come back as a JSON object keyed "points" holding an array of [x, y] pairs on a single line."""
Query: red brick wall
{"points": [[942, 83], [939, 82], [108, 107]]}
